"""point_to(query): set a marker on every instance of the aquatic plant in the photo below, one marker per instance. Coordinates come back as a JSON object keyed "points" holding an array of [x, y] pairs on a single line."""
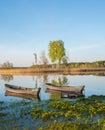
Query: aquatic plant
{"points": [[80, 114]]}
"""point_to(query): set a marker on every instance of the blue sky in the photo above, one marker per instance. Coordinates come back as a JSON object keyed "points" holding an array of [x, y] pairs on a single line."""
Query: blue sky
{"points": [[27, 27]]}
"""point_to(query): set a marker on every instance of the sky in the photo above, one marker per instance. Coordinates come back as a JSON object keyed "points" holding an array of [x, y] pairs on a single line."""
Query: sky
{"points": [[27, 27]]}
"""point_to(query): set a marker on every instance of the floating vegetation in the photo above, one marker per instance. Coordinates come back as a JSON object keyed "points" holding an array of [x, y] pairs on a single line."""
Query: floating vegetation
{"points": [[100, 98], [60, 114], [2, 114], [73, 126]]}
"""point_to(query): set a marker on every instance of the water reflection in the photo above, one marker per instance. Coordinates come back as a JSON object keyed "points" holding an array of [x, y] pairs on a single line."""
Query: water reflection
{"points": [[59, 81], [60, 94], [94, 84], [100, 74], [23, 96], [63, 91], [7, 77], [40, 79]]}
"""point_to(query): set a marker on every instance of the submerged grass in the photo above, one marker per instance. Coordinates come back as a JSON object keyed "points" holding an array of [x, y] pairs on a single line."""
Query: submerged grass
{"points": [[86, 113]]}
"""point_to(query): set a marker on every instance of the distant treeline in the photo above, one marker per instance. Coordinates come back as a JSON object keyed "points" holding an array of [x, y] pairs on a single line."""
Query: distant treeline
{"points": [[87, 64], [95, 64]]}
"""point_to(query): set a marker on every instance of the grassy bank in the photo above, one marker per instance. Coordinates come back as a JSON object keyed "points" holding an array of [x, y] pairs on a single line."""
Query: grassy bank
{"points": [[67, 70]]}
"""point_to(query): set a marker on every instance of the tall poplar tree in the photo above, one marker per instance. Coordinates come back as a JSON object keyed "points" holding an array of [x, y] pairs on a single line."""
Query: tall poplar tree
{"points": [[35, 56], [56, 51]]}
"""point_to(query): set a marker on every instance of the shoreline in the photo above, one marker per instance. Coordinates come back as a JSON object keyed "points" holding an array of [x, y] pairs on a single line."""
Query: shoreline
{"points": [[33, 71]]}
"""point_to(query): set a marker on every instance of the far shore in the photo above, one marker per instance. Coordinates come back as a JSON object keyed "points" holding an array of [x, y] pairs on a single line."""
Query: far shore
{"points": [[27, 70]]}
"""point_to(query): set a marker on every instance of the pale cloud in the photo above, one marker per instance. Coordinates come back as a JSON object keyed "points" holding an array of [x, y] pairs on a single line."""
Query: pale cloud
{"points": [[87, 47]]}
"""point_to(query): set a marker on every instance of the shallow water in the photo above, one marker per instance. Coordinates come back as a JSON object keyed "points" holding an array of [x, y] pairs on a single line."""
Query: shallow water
{"points": [[94, 85]]}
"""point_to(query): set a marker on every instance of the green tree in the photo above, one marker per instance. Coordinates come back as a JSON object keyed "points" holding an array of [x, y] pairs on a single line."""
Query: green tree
{"points": [[65, 60], [56, 51]]}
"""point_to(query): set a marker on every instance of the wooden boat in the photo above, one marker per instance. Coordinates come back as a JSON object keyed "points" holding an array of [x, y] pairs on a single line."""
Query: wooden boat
{"points": [[24, 96], [74, 89], [22, 90]]}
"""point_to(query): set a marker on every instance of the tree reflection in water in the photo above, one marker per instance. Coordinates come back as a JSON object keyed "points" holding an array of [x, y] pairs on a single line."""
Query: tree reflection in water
{"points": [[60, 81], [40, 80], [7, 77]]}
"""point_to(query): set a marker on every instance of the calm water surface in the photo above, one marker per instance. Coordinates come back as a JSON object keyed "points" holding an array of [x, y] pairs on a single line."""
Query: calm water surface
{"points": [[94, 85]]}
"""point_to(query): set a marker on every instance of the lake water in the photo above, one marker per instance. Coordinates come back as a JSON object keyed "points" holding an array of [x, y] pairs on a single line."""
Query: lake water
{"points": [[94, 85]]}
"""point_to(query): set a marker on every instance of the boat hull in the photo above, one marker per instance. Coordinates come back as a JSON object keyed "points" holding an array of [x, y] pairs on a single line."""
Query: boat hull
{"points": [[22, 90], [65, 88]]}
